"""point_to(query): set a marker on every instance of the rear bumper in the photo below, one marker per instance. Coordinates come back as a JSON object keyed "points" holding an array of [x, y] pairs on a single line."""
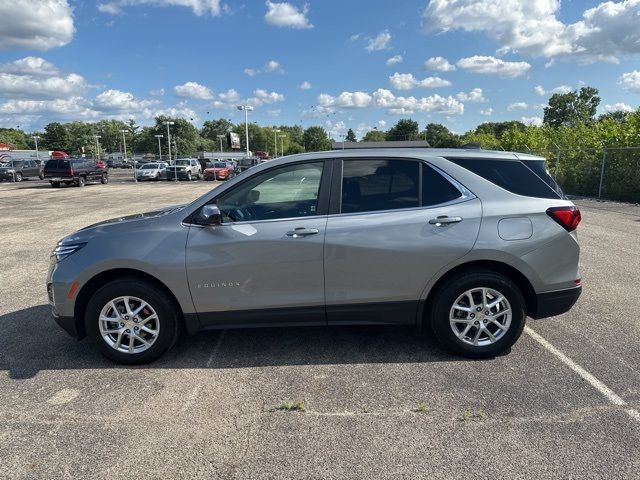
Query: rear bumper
{"points": [[558, 302]]}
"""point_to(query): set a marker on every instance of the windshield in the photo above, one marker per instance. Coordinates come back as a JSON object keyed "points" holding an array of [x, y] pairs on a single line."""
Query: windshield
{"points": [[219, 165], [149, 166], [183, 162]]}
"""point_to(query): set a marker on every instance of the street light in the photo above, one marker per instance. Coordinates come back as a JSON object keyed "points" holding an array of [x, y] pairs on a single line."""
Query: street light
{"points": [[124, 155], [247, 109], [159, 147], [167, 123], [36, 138], [281, 137], [276, 131], [220, 137], [97, 137]]}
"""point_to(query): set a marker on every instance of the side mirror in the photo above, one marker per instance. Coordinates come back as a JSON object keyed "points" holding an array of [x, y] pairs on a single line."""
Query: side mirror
{"points": [[210, 215]]}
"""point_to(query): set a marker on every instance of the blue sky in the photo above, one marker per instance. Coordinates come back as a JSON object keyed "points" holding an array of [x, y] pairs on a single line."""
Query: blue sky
{"points": [[491, 60]]}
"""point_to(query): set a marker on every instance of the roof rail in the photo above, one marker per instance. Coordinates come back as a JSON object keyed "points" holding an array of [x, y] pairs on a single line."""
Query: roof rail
{"points": [[388, 144]]}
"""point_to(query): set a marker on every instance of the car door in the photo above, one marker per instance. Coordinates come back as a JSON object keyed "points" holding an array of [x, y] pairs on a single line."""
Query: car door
{"points": [[29, 169], [389, 235], [264, 263]]}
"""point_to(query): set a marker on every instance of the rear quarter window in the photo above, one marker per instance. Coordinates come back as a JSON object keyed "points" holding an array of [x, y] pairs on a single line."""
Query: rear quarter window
{"points": [[512, 175]]}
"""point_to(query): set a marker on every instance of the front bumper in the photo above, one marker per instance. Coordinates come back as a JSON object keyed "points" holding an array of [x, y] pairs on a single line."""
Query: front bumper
{"points": [[180, 174], [6, 176], [550, 304]]}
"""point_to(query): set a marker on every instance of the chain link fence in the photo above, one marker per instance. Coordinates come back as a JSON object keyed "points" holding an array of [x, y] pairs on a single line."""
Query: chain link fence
{"points": [[609, 173]]}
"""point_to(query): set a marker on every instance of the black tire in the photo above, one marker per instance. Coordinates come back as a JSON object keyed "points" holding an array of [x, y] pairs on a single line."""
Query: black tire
{"points": [[155, 297], [445, 297], [104, 179], [55, 184], [17, 177], [41, 176], [80, 182], [189, 176]]}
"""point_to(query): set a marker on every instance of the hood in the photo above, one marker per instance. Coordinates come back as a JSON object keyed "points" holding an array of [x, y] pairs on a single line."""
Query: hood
{"points": [[105, 226]]}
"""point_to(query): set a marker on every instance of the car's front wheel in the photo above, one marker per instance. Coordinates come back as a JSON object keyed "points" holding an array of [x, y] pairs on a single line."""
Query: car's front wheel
{"points": [[104, 179], [131, 321], [478, 314], [17, 177]]}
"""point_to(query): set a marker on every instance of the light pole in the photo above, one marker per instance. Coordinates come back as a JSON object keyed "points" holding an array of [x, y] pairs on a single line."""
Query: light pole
{"points": [[97, 137], [168, 123], [36, 138], [276, 131], [220, 137], [159, 147], [281, 137], [124, 150], [247, 109]]}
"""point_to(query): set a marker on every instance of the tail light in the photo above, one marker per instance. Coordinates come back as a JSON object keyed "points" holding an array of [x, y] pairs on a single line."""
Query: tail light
{"points": [[568, 217]]}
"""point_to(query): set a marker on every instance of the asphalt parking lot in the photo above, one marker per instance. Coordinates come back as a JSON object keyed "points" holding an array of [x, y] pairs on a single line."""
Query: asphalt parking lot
{"points": [[379, 402]]}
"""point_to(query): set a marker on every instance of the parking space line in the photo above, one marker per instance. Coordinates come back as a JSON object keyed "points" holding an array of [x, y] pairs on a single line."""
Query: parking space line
{"points": [[613, 397], [194, 393]]}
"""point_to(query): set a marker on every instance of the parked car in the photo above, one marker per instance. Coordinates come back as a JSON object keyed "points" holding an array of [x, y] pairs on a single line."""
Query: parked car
{"points": [[101, 164], [461, 244], [185, 169], [18, 170], [219, 171], [74, 171], [152, 171], [247, 163]]}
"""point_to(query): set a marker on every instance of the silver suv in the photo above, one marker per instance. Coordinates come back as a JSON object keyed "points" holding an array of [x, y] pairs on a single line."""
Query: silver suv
{"points": [[464, 244]]}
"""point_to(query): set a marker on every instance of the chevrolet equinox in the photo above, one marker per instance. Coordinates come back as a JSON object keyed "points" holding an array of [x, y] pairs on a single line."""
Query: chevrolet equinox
{"points": [[464, 244]]}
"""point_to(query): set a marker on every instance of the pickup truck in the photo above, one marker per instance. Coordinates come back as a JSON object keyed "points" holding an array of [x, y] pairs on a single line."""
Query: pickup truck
{"points": [[74, 171]]}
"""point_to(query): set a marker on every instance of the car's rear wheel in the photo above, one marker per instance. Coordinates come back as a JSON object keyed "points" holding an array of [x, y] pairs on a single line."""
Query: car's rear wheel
{"points": [[41, 176], [104, 179], [131, 321], [80, 182], [478, 314]]}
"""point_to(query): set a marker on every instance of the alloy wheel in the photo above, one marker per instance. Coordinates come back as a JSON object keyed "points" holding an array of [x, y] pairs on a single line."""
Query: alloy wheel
{"points": [[480, 316], [129, 324]]}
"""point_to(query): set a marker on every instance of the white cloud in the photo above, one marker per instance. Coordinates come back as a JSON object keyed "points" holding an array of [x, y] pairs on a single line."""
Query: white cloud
{"points": [[487, 112], [396, 59], [355, 36], [180, 111], [193, 90], [493, 66], [539, 89], [439, 64], [199, 7], [305, 86], [474, 95], [35, 25], [407, 105], [618, 107], [345, 100], [286, 15], [263, 97], [532, 121], [270, 67], [630, 81], [274, 113], [517, 106], [30, 66], [157, 93], [382, 123], [110, 8], [532, 27], [336, 130], [230, 96], [406, 81], [29, 86], [381, 42], [118, 101]]}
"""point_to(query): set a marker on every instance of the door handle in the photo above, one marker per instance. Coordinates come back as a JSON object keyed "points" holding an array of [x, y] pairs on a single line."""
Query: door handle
{"points": [[444, 220], [302, 232]]}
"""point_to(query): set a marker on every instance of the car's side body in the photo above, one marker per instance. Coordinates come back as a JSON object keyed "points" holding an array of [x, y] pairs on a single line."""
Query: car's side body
{"points": [[16, 170], [184, 169], [361, 267]]}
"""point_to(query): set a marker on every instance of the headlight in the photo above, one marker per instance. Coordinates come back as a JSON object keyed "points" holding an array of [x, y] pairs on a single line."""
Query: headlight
{"points": [[63, 251]]}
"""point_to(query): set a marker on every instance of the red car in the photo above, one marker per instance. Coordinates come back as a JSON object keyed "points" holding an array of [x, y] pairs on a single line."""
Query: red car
{"points": [[101, 164], [219, 171]]}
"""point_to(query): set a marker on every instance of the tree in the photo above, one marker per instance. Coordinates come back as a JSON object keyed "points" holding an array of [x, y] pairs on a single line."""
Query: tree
{"points": [[498, 128], [374, 136], [258, 137], [316, 139], [351, 136], [15, 137], [572, 108], [212, 128], [56, 137], [405, 129], [618, 116], [440, 136]]}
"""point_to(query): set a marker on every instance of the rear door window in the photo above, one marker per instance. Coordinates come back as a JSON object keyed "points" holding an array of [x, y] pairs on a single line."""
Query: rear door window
{"points": [[373, 185], [512, 175], [436, 189]]}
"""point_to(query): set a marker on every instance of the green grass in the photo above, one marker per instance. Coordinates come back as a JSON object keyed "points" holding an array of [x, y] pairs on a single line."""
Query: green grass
{"points": [[471, 415], [291, 406], [422, 408]]}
